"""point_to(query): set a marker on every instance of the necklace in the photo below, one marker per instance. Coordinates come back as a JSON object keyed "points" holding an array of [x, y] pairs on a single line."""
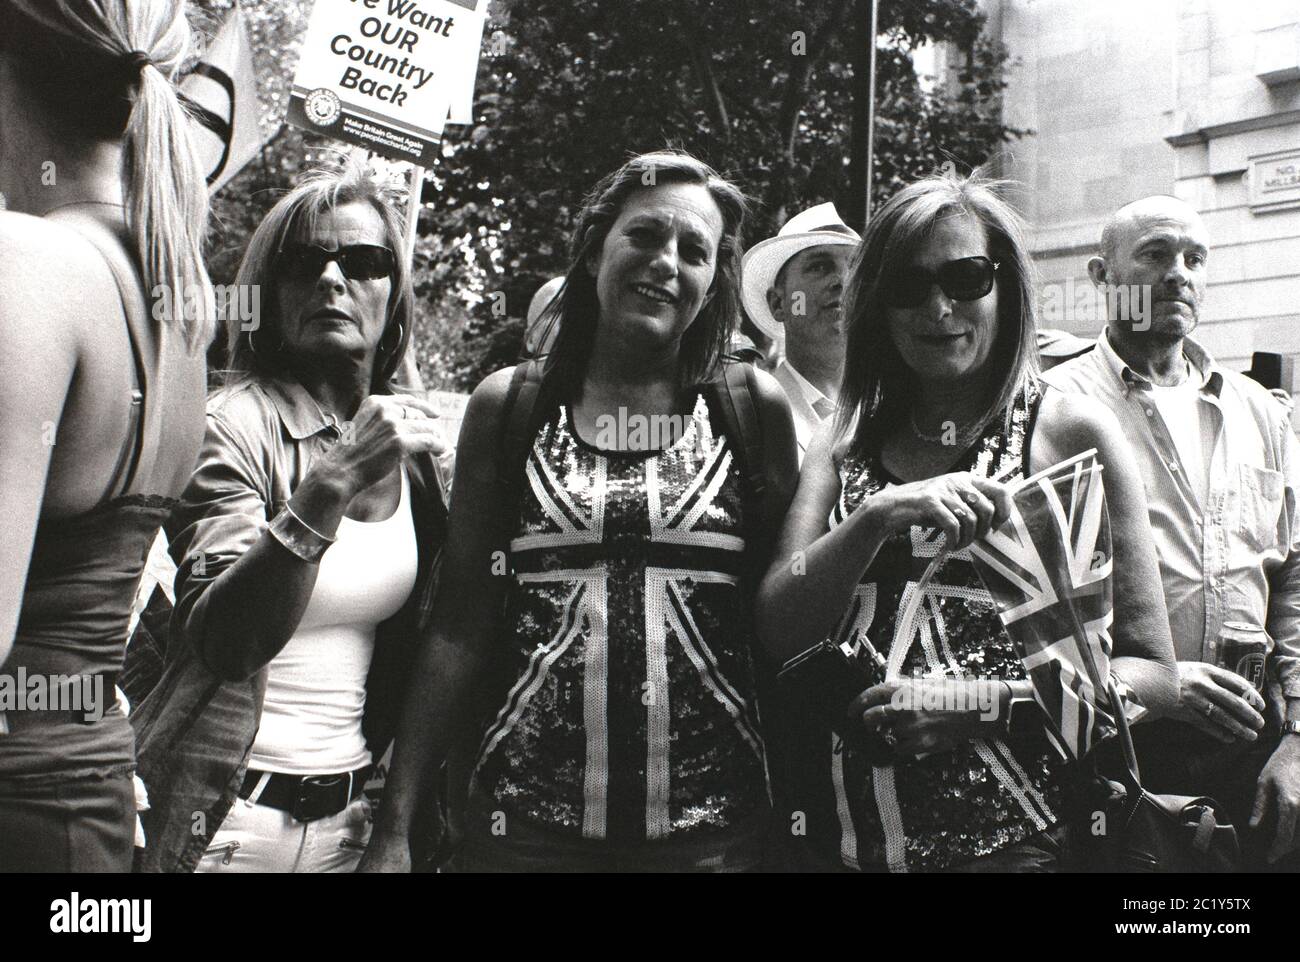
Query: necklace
{"points": [[942, 435], [82, 203], [928, 438]]}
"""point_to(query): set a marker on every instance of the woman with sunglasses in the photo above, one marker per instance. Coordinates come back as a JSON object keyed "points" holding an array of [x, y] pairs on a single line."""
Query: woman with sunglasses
{"points": [[941, 410], [305, 547]]}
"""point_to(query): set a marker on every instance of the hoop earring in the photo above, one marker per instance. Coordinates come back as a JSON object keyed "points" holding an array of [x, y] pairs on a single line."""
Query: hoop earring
{"points": [[251, 346], [401, 332]]}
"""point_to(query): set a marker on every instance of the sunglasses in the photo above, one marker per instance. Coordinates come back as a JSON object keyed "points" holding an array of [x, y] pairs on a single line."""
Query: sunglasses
{"points": [[965, 279], [359, 262]]}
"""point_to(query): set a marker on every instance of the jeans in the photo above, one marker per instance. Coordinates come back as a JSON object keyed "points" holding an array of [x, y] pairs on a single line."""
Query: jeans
{"points": [[258, 838], [84, 825], [494, 844]]}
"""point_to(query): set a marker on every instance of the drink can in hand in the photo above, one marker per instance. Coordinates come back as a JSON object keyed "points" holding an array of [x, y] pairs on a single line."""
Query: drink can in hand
{"points": [[1242, 648]]}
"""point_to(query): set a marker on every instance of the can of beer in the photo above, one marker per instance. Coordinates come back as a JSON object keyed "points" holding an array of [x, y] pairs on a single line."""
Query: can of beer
{"points": [[1242, 648]]}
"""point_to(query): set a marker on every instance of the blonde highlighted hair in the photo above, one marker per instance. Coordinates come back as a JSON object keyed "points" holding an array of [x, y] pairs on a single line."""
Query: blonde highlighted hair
{"points": [[71, 57]]}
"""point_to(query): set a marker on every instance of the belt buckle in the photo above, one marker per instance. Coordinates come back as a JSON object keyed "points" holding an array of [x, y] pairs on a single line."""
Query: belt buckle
{"points": [[318, 796]]}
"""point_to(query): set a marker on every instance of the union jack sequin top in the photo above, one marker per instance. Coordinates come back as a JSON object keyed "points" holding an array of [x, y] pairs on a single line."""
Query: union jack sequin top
{"points": [[948, 808], [633, 714]]}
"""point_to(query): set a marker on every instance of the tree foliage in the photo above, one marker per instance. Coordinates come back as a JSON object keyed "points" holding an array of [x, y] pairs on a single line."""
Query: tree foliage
{"points": [[567, 89]]}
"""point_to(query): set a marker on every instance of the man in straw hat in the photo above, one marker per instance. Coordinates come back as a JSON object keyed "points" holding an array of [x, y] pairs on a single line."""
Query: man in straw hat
{"points": [[792, 286]]}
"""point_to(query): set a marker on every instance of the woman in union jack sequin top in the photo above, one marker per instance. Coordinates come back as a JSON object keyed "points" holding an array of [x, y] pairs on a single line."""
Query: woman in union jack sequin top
{"points": [[614, 592], [940, 410]]}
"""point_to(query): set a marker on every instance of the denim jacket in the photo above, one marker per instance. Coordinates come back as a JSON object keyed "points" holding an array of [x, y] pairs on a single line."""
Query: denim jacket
{"points": [[194, 731]]}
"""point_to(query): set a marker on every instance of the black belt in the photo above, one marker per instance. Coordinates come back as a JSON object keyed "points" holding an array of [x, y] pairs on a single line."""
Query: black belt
{"points": [[307, 797], [32, 717]]}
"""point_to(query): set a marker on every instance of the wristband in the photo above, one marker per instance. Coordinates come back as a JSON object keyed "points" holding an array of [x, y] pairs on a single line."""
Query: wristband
{"points": [[298, 537]]}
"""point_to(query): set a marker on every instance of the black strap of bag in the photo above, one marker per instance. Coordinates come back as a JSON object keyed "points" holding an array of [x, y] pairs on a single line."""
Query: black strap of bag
{"points": [[1132, 830], [733, 394]]}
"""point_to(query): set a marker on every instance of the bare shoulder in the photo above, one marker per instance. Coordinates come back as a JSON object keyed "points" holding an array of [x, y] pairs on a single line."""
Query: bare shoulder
{"points": [[50, 272], [477, 448], [487, 404], [768, 388], [1070, 424], [1077, 421]]}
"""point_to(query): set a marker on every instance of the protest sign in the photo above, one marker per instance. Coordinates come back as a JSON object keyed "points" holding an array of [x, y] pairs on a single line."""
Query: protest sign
{"points": [[382, 73]]}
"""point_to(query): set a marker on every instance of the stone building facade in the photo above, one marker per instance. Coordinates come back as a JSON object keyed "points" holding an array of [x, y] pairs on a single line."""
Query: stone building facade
{"points": [[1196, 98]]}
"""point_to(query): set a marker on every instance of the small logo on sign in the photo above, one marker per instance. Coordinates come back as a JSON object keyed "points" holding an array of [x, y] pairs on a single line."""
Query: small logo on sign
{"points": [[322, 107]]}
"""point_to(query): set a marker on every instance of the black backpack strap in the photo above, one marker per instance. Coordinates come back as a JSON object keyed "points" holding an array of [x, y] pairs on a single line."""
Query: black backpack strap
{"points": [[734, 395], [518, 427]]}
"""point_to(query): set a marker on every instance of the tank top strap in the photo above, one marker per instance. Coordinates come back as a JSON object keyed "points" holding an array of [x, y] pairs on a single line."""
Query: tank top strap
{"points": [[141, 443]]}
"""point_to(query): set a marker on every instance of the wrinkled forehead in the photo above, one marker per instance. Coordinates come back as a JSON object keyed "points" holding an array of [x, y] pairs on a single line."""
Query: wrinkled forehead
{"points": [[685, 208], [354, 222], [1161, 219], [1182, 230]]}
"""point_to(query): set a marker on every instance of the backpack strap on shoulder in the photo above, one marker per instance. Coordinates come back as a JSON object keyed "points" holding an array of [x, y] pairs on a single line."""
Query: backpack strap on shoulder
{"points": [[735, 393], [518, 427]]}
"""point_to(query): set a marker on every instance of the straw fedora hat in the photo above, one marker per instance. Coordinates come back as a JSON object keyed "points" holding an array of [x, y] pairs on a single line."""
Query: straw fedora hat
{"points": [[815, 227]]}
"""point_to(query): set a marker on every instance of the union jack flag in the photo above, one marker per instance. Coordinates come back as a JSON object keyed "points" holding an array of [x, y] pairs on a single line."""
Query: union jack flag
{"points": [[1048, 568]]}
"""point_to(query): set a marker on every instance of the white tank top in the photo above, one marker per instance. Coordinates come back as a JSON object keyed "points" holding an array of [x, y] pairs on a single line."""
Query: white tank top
{"points": [[316, 691]]}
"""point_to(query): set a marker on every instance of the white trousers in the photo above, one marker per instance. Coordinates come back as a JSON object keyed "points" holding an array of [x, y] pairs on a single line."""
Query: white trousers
{"points": [[257, 838]]}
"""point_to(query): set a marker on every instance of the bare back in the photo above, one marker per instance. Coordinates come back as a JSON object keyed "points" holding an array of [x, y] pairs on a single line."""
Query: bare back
{"points": [[97, 399]]}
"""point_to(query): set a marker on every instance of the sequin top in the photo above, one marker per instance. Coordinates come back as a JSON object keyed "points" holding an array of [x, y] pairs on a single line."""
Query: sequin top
{"points": [[952, 807], [633, 715]]}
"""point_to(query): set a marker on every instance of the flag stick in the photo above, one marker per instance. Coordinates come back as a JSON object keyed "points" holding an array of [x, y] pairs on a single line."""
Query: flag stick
{"points": [[409, 372], [413, 209]]}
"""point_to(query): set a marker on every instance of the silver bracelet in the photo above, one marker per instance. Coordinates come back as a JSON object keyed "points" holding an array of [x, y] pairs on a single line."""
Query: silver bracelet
{"points": [[298, 537]]}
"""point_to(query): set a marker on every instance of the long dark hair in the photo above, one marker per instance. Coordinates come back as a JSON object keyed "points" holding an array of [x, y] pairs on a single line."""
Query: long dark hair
{"points": [[879, 388], [576, 308]]}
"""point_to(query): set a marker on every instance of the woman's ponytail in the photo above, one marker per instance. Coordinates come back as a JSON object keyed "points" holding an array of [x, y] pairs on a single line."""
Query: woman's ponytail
{"points": [[166, 200], [104, 69]]}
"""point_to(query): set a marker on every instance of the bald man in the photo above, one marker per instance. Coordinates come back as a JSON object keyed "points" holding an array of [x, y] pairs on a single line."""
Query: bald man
{"points": [[1222, 475]]}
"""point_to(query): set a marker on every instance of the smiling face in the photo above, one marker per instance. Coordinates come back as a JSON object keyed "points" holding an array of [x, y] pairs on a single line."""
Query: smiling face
{"points": [[331, 317], [941, 339], [657, 263], [1161, 245]]}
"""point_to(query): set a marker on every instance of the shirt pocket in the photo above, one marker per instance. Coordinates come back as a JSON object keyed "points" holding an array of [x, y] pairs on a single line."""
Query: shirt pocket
{"points": [[1259, 501]]}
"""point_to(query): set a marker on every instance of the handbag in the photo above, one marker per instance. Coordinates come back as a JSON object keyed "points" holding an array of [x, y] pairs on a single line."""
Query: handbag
{"points": [[1124, 828]]}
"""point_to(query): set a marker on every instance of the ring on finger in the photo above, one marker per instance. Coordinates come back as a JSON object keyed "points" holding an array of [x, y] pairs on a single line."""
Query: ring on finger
{"points": [[970, 497], [887, 735]]}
